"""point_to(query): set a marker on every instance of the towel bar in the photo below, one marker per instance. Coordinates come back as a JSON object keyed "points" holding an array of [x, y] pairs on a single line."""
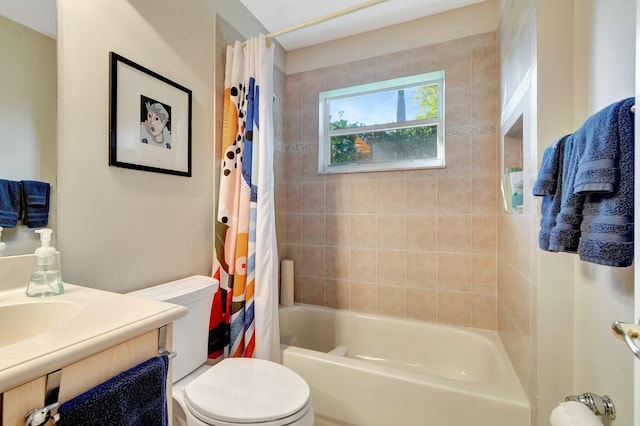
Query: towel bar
{"points": [[41, 416]]}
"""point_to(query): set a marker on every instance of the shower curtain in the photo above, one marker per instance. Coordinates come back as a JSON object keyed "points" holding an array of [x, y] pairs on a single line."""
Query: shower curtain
{"points": [[247, 260]]}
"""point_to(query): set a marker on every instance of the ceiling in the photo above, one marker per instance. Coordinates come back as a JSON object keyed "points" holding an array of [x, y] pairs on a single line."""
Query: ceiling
{"points": [[39, 15], [276, 15]]}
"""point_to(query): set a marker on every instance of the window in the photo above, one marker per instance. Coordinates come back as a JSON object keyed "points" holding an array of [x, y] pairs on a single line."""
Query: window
{"points": [[387, 125]]}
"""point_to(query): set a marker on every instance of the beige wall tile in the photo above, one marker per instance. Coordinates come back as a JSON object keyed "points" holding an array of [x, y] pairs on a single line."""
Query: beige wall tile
{"points": [[363, 265], [391, 300], [422, 196], [454, 308], [454, 233], [312, 195], [336, 294], [391, 196], [484, 194], [458, 155], [421, 304], [421, 232], [337, 263], [484, 154], [336, 230], [293, 230], [363, 231], [454, 194], [336, 197], [312, 290], [312, 262], [454, 271], [458, 106], [312, 229], [362, 197], [391, 232], [484, 273], [362, 297], [391, 267], [483, 311], [484, 233], [294, 197], [421, 269]]}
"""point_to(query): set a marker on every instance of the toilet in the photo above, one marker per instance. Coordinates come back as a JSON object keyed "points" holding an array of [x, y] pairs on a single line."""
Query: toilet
{"points": [[235, 391]]}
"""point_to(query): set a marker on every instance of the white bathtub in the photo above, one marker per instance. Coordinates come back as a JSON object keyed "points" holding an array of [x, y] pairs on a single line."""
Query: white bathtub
{"points": [[369, 370]]}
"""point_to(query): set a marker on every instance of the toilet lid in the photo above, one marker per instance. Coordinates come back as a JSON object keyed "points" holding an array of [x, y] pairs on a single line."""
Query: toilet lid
{"points": [[246, 390]]}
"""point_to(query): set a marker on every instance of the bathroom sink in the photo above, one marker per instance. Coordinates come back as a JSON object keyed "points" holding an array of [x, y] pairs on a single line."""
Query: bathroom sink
{"points": [[24, 320]]}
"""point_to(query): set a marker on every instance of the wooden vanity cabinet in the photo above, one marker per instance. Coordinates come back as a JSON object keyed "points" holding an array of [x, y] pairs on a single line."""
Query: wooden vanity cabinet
{"points": [[80, 376]]}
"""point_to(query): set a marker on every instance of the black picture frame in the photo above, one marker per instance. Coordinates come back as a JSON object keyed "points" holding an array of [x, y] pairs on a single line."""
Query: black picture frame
{"points": [[149, 120]]}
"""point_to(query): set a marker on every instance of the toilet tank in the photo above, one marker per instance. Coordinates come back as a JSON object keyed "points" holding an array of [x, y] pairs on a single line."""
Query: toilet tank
{"points": [[191, 332]]}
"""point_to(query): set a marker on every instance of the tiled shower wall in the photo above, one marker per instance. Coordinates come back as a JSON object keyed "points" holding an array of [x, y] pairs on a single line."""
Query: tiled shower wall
{"points": [[419, 244]]}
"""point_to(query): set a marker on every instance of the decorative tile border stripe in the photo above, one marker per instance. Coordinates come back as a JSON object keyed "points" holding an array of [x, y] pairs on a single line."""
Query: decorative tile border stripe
{"points": [[481, 129], [293, 147]]}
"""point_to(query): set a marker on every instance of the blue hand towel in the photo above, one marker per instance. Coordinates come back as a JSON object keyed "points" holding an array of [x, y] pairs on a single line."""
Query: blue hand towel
{"points": [[548, 174], [9, 203], [565, 235], [133, 398], [607, 228], [35, 203], [598, 169], [549, 185]]}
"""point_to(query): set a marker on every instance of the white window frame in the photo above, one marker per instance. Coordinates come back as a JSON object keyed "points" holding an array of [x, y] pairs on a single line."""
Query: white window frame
{"points": [[325, 134]]}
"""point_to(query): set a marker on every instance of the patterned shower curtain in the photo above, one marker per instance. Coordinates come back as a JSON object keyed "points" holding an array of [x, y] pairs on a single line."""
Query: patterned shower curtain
{"points": [[246, 253]]}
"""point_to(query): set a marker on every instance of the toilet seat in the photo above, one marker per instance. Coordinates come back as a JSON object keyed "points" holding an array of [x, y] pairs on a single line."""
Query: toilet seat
{"points": [[240, 391]]}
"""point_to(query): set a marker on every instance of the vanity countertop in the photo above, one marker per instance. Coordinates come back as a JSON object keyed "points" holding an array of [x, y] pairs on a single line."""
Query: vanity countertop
{"points": [[98, 321]]}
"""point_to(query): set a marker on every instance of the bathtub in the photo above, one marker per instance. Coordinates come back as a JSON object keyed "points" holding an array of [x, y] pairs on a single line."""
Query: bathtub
{"points": [[370, 370]]}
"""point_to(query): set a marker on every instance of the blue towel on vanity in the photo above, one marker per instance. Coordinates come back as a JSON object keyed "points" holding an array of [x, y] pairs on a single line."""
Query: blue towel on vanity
{"points": [[607, 228], [135, 397], [9, 203], [549, 185], [35, 203]]}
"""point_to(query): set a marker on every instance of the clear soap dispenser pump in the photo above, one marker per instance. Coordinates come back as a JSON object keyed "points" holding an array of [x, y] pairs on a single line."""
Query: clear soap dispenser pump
{"points": [[45, 278]]}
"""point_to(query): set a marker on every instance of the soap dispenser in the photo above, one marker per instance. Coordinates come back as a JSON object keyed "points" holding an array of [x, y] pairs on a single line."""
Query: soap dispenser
{"points": [[45, 278], [3, 246]]}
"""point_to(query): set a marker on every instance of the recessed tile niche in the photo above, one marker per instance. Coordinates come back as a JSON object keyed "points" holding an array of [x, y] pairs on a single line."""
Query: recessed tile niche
{"points": [[512, 168]]}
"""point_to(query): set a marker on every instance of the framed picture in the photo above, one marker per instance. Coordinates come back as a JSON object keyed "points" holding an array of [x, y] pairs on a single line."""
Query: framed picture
{"points": [[149, 120]]}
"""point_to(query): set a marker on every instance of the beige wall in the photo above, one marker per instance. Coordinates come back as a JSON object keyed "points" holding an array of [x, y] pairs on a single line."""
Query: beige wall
{"points": [[419, 244], [122, 229], [27, 118]]}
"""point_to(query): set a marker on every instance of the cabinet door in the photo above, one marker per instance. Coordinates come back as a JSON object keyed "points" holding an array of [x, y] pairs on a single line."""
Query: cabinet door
{"points": [[19, 401]]}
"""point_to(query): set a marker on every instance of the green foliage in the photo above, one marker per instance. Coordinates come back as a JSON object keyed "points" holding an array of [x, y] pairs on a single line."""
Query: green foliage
{"points": [[428, 101]]}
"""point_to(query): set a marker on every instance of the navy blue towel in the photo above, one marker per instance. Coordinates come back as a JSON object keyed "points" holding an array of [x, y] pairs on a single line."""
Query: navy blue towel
{"points": [[9, 203], [35, 203], [549, 185], [135, 397], [607, 225]]}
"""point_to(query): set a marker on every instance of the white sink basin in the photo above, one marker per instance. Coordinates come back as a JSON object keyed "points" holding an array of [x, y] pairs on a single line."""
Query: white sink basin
{"points": [[22, 321]]}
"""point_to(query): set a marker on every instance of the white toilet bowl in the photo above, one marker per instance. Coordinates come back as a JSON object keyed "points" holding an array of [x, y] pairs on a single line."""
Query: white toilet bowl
{"points": [[235, 391]]}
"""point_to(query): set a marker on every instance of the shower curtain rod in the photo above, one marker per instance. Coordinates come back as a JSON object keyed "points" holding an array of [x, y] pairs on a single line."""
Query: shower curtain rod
{"points": [[324, 18]]}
